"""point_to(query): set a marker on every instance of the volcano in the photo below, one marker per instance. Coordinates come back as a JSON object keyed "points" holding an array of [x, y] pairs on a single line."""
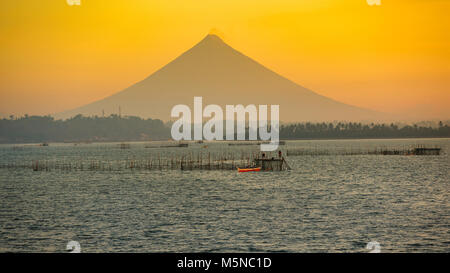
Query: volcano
{"points": [[221, 75]]}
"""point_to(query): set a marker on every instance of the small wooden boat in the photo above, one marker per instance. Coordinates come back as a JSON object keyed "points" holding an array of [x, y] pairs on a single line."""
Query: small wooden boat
{"points": [[244, 170]]}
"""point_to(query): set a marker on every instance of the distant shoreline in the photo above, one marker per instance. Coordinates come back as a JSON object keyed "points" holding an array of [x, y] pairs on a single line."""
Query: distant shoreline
{"points": [[215, 141], [36, 129]]}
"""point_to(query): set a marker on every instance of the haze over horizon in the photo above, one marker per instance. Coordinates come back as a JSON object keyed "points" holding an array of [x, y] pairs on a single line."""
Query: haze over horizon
{"points": [[391, 58]]}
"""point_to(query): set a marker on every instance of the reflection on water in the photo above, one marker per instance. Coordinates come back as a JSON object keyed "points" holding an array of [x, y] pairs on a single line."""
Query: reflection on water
{"points": [[325, 204]]}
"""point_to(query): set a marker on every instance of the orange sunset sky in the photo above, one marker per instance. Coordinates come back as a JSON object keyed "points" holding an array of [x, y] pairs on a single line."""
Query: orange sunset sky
{"points": [[392, 58]]}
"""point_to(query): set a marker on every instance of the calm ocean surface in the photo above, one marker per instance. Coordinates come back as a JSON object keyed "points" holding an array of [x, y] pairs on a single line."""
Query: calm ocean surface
{"points": [[327, 203]]}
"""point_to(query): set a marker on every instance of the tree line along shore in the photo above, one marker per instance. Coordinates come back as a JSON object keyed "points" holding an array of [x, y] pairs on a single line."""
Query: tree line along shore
{"points": [[37, 129]]}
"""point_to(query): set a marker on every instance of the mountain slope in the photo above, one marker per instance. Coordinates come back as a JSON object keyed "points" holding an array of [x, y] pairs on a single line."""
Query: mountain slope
{"points": [[221, 75]]}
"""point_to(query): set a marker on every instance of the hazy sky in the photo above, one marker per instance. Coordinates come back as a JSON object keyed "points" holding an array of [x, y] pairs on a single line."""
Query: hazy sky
{"points": [[394, 57]]}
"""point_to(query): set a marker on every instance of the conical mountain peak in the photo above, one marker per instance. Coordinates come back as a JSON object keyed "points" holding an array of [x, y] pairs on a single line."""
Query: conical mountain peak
{"points": [[224, 76], [211, 42], [212, 38]]}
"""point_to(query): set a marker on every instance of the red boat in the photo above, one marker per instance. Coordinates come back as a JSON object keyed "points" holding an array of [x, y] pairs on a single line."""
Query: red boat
{"points": [[244, 170]]}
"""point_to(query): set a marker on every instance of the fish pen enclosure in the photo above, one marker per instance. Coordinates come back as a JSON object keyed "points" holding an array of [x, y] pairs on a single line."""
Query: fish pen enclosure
{"points": [[422, 150], [206, 156], [415, 150], [162, 161]]}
